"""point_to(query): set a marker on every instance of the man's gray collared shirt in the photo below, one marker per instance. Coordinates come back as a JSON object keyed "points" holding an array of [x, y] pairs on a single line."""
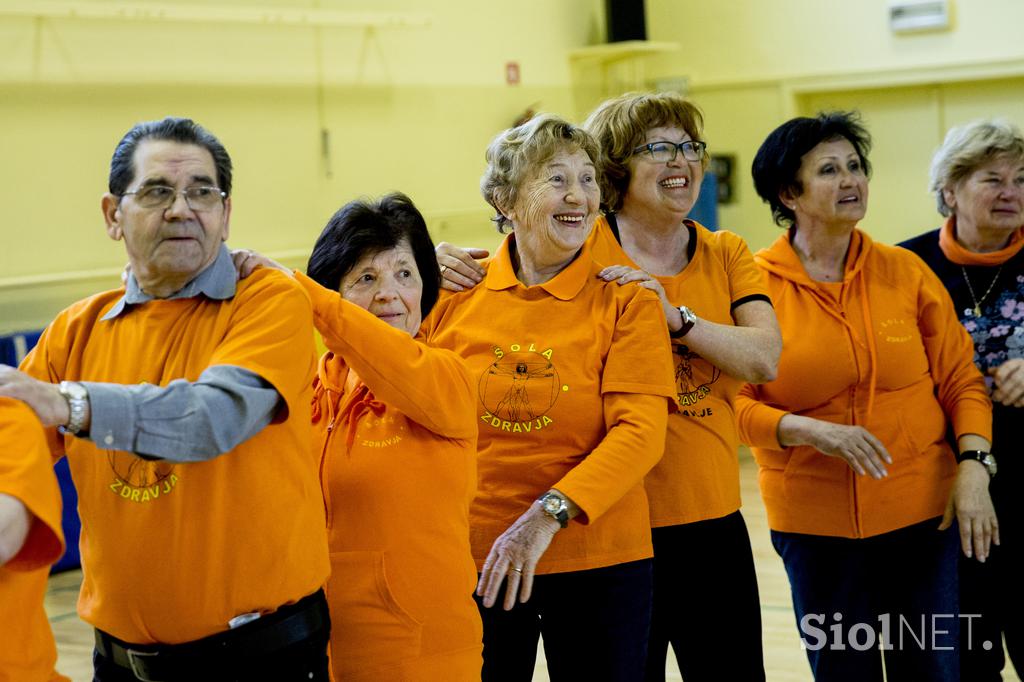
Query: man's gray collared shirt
{"points": [[182, 421]]}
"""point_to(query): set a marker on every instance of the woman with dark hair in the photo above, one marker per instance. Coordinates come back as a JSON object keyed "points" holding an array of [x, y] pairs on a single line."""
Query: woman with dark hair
{"points": [[395, 438], [977, 176], [861, 487], [574, 383]]}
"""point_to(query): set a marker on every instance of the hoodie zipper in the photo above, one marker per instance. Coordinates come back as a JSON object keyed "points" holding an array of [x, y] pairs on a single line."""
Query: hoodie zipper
{"points": [[324, 483]]}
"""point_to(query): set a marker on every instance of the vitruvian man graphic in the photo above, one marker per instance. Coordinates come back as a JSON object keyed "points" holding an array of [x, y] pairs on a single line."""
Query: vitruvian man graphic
{"points": [[519, 386]]}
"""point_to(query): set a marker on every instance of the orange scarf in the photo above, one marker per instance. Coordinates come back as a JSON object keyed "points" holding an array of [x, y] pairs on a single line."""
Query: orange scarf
{"points": [[956, 252]]}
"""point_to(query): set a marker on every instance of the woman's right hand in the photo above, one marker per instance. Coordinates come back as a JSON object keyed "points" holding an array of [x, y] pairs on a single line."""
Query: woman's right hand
{"points": [[514, 556], [246, 262], [856, 445], [459, 269], [625, 274]]}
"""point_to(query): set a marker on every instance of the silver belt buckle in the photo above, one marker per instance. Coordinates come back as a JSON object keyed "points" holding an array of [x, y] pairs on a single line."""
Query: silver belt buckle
{"points": [[137, 661]]}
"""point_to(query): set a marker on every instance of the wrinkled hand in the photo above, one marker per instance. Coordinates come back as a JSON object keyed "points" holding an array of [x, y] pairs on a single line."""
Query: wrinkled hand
{"points": [[971, 504], [862, 451], [459, 269], [519, 547], [247, 262], [624, 274], [43, 397], [1009, 383]]}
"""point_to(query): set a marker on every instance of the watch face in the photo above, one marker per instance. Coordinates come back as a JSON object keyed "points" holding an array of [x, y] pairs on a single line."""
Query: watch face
{"points": [[73, 390], [552, 504]]}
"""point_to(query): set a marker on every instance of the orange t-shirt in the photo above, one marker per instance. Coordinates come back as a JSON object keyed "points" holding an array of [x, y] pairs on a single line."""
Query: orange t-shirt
{"points": [[698, 478], [571, 378], [27, 650], [882, 349], [172, 551], [397, 453]]}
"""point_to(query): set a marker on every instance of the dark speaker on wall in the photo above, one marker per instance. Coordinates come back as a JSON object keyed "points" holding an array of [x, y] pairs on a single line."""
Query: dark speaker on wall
{"points": [[626, 20]]}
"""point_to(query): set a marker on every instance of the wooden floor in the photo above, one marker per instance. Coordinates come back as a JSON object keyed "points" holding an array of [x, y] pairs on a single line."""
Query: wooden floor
{"points": [[785, 661]]}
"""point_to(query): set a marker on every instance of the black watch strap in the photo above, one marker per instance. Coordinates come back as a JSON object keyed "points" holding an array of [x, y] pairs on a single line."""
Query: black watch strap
{"points": [[972, 454], [986, 458], [689, 319]]}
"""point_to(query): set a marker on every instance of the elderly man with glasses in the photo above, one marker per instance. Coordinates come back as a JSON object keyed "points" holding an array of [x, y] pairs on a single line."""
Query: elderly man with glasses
{"points": [[182, 402]]}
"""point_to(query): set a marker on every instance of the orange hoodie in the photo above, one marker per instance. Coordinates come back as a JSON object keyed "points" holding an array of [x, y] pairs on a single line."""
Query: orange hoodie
{"points": [[395, 432], [882, 349]]}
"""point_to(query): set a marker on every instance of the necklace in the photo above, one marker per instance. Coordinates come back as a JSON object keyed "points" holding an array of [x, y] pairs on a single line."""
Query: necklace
{"points": [[978, 302]]}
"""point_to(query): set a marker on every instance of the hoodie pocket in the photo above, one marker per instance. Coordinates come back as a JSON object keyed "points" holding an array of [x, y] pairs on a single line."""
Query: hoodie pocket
{"points": [[368, 625]]}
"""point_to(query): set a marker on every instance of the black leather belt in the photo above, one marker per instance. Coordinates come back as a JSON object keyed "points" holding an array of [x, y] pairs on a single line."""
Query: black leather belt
{"points": [[225, 650]]}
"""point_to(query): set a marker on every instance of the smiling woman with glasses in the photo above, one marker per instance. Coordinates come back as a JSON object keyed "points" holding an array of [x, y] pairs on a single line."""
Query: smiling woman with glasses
{"points": [[724, 333], [666, 152]]}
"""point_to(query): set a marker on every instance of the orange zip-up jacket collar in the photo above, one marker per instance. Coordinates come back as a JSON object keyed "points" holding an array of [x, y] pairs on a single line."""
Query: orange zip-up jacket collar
{"points": [[881, 349]]}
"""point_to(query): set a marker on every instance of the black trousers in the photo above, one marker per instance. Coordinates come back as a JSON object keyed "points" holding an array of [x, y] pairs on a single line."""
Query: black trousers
{"points": [[594, 624], [899, 587], [992, 593], [706, 602]]}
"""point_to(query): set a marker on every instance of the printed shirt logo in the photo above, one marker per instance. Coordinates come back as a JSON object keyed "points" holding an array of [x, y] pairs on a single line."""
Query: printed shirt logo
{"points": [[380, 432], [896, 331], [140, 480], [519, 388], [691, 389]]}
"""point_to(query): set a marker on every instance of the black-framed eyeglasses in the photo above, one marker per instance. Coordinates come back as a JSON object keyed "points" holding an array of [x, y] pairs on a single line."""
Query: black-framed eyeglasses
{"points": [[162, 196], [664, 152]]}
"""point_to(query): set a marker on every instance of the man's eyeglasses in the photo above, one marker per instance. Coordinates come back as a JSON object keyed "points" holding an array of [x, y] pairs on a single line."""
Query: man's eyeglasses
{"points": [[162, 196], [664, 152]]}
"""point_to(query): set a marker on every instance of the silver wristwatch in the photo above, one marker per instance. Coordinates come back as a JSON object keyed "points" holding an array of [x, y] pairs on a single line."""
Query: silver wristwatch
{"points": [[78, 404], [555, 506], [689, 319]]}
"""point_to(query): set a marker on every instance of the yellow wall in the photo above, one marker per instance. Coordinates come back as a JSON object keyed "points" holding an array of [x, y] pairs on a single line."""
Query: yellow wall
{"points": [[747, 40], [751, 65], [412, 108], [409, 108]]}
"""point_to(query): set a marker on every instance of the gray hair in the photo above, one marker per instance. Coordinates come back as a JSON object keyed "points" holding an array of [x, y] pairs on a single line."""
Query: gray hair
{"points": [[517, 152], [968, 146]]}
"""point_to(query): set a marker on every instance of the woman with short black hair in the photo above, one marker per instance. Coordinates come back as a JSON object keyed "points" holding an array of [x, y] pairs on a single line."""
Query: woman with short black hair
{"points": [[861, 487], [395, 441]]}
